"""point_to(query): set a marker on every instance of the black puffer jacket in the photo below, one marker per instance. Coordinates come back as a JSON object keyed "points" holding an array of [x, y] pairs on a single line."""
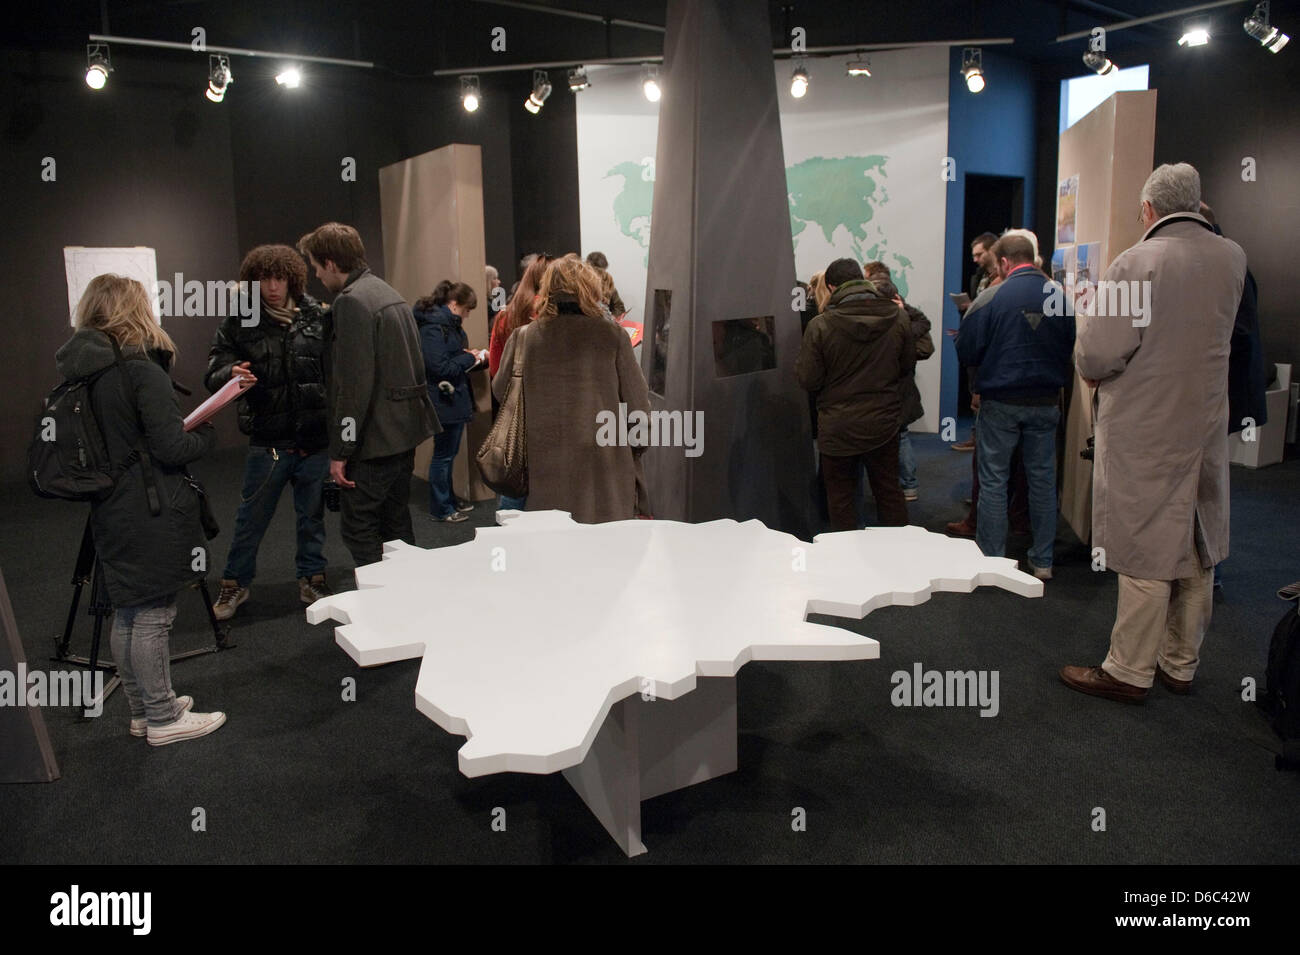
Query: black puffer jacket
{"points": [[288, 406], [145, 556]]}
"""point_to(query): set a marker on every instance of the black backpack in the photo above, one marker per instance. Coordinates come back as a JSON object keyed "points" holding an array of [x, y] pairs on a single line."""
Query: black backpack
{"points": [[68, 458], [1281, 697]]}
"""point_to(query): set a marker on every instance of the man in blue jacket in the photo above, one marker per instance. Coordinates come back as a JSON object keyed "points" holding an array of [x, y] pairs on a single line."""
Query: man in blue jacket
{"points": [[1021, 337]]}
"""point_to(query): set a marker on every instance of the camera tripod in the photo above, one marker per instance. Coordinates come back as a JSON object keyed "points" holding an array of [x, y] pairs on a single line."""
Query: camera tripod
{"points": [[89, 569]]}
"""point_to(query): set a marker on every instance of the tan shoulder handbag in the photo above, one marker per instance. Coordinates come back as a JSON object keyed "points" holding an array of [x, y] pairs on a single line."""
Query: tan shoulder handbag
{"points": [[503, 457]]}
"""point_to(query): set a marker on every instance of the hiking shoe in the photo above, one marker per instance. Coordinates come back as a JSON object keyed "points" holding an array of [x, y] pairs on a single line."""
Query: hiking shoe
{"points": [[313, 588], [1042, 573], [909, 494], [464, 506], [139, 726], [454, 517], [229, 599], [189, 726]]}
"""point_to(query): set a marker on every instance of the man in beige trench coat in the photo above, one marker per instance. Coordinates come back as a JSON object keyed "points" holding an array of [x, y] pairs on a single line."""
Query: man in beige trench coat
{"points": [[1160, 474]]}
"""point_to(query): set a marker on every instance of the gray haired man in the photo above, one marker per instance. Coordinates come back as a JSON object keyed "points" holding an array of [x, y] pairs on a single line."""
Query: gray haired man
{"points": [[1160, 475]]}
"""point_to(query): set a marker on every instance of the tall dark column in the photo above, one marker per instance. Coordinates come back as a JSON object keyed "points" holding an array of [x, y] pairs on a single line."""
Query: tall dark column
{"points": [[721, 334]]}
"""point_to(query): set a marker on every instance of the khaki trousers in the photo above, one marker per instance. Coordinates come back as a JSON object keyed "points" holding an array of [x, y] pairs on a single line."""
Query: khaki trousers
{"points": [[1159, 621]]}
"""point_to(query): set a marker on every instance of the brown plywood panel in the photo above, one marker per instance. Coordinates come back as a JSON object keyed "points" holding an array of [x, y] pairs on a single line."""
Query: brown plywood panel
{"points": [[1111, 151], [432, 208]]}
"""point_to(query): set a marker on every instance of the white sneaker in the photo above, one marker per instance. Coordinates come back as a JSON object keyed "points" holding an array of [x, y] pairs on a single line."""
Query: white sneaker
{"points": [[910, 494], [139, 726], [1042, 573], [189, 726]]}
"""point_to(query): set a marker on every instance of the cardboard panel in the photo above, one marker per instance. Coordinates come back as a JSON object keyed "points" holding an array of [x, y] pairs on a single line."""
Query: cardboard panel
{"points": [[1111, 150], [432, 208]]}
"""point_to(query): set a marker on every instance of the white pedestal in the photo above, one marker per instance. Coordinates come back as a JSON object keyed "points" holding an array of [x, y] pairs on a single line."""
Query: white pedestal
{"points": [[650, 747], [1270, 439]]}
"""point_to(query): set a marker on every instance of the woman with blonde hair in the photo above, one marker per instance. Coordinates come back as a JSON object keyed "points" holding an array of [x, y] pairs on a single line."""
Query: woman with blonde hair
{"points": [[578, 371], [821, 294], [148, 530]]}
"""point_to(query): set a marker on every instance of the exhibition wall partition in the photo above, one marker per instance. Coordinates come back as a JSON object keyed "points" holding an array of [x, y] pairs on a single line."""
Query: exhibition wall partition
{"points": [[1105, 158], [432, 207], [864, 177]]}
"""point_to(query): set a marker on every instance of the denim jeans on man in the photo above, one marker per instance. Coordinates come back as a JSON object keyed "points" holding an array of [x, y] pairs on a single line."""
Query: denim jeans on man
{"points": [[140, 640], [906, 461], [1003, 426], [266, 473], [442, 503]]}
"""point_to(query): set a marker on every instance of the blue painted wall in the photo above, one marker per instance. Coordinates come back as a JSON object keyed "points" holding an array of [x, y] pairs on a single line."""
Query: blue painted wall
{"points": [[991, 132]]}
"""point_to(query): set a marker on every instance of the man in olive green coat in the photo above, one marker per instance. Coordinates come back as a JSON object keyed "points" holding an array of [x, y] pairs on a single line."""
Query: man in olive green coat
{"points": [[853, 357]]}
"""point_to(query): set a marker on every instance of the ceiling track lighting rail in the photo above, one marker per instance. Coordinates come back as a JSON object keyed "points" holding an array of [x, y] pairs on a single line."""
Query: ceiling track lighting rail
{"points": [[782, 53], [234, 51], [1154, 18]]}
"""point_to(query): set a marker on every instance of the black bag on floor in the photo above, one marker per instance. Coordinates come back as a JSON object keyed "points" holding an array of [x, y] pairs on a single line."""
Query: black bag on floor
{"points": [[1281, 697]]}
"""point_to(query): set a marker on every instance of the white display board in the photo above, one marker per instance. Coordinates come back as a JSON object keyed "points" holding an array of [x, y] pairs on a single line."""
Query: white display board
{"points": [[81, 264], [864, 170]]}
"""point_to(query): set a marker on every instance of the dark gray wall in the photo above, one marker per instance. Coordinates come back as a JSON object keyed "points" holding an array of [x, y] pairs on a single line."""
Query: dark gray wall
{"points": [[545, 169], [139, 163], [148, 161]]}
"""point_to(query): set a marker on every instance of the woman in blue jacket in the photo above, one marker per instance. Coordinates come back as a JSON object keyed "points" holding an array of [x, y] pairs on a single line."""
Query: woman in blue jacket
{"points": [[448, 360]]}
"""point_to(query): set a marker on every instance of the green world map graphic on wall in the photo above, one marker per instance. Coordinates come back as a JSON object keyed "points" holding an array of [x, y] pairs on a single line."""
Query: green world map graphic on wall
{"points": [[827, 194]]}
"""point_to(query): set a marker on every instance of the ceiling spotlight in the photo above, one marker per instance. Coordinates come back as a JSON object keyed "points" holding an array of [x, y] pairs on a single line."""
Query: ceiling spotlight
{"points": [[97, 65], [859, 67], [1098, 63], [541, 90], [578, 79], [650, 84], [469, 93], [799, 82], [1269, 37], [219, 77], [1198, 35], [972, 68], [290, 77]]}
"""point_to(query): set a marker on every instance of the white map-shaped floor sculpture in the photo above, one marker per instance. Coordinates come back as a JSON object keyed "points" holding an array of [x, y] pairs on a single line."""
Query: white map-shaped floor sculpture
{"points": [[532, 631]]}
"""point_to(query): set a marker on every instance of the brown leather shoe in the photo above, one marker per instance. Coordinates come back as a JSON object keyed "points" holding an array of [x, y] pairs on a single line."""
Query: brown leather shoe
{"points": [[1181, 687], [1097, 682], [960, 529], [968, 445]]}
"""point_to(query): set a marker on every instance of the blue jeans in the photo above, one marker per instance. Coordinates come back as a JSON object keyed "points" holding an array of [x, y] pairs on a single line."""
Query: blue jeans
{"points": [[513, 503], [266, 472], [442, 503], [906, 461], [140, 639], [1001, 428]]}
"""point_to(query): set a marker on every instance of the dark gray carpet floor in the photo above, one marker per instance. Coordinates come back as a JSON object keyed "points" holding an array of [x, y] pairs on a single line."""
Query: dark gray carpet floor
{"points": [[298, 775]]}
